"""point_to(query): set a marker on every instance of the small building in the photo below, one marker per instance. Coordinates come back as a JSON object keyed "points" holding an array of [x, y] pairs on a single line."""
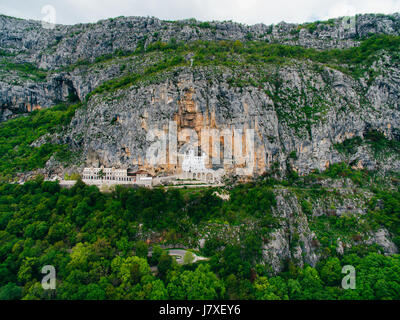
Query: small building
{"points": [[106, 174], [112, 176], [141, 177], [142, 174]]}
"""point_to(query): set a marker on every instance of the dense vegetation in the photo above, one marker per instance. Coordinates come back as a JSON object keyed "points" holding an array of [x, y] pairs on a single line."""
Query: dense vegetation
{"points": [[24, 70], [17, 135], [95, 241], [380, 145], [353, 61]]}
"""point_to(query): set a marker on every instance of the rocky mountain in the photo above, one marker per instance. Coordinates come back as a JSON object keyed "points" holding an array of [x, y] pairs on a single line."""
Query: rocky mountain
{"points": [[51, 50], [304, 89]]}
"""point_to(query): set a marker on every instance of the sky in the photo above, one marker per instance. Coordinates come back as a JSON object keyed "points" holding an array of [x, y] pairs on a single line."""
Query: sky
{"points": [[244, 11]]}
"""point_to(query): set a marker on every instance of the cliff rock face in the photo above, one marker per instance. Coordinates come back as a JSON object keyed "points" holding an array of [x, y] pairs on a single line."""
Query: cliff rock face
{"points": [[63, 45], [113, 131], [305, 237], [26, 97], [294, 240], [299, 110], [299, 240], [66, 47]]}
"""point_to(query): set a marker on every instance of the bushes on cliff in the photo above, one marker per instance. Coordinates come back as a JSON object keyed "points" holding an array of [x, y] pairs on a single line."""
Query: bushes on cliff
{"points": [[385, 211], [17, 135], [353, 61], [24, 70]]}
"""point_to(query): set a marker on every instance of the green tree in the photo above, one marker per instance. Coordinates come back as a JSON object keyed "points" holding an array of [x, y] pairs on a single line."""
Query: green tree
{"points": [[157, 253], [155, 290], [141, 249], [264, 290], [201, 284], [10, 292], [164, 265], [331, 272], [311, 284], [130, 269], [188, 258]]}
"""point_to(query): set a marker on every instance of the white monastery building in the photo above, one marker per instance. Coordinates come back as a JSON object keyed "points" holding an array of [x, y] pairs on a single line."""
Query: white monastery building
{"points": [[110, 174], [195, 164], [115, 176], [194, 167]]}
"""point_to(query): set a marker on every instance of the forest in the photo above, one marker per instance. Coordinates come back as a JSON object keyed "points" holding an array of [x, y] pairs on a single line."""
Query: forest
{"points": [[97, 244]]}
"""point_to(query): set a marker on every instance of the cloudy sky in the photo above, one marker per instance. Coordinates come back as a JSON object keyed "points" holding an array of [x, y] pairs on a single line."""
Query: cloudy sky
{"points": [[245, 11]]}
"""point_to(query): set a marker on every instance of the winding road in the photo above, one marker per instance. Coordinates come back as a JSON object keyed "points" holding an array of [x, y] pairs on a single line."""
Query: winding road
{"points": [[179, 254]]}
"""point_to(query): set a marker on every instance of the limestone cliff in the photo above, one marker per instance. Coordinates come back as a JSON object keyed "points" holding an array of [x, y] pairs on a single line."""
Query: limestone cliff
{"points": [[58, 53], [112, 131]]}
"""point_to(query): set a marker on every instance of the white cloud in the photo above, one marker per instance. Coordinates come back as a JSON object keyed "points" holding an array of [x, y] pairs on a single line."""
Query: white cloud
{"points": [[341, 9], [245, 11], [350, 8]]}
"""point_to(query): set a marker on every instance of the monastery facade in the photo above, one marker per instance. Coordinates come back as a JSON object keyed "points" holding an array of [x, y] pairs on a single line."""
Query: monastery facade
{"points": [[115, 176], [194, 167], [108, 174]]}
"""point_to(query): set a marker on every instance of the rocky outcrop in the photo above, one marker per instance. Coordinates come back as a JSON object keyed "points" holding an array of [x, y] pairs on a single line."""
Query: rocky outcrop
{"points": [[71, 47], [299, 240], [293, 240], [382, 238], [27, 97], [63, 45]]}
